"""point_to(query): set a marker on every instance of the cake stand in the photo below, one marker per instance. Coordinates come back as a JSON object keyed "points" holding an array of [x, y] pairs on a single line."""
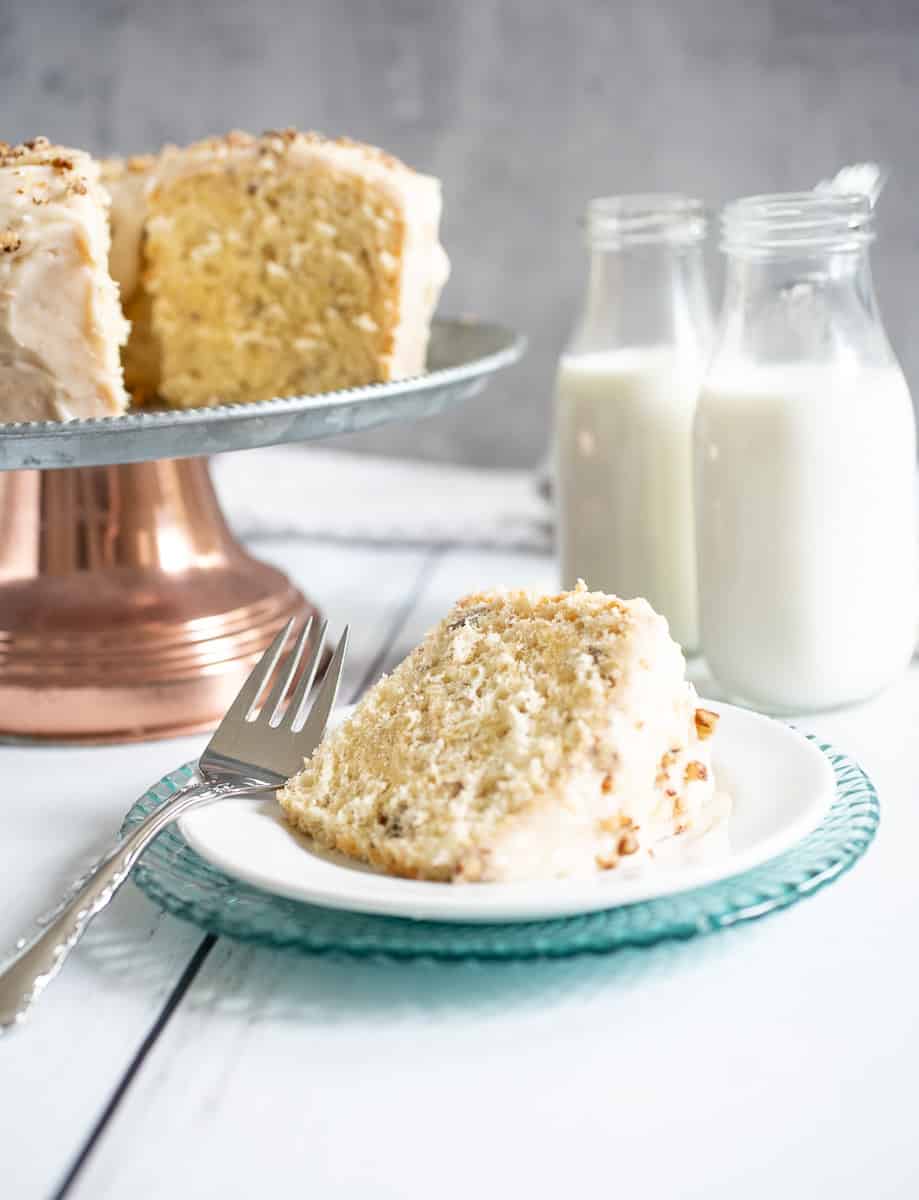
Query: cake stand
{"points": [[127, 608]]}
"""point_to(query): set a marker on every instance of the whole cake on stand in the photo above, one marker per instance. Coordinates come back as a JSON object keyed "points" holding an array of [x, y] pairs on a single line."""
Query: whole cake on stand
{"points": [[127, 608]]}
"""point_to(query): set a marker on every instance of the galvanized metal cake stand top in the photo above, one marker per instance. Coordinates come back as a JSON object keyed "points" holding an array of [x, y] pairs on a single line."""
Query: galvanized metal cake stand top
{"points": [[127, 608]]}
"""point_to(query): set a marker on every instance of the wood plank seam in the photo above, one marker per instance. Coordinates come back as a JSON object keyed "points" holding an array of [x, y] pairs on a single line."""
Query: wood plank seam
{"points": [[404, 611], [172, 1002]]}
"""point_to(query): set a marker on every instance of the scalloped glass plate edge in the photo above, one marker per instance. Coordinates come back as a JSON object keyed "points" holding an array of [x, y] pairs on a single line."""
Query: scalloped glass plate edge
{"points": [[183, 884]]}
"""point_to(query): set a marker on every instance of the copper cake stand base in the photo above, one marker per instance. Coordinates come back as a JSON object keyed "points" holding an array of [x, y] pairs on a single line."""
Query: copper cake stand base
{"points": [[127, 608]]}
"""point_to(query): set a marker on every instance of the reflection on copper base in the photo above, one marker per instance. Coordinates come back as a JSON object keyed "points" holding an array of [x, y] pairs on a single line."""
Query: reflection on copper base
{"points": [[127, 609]]}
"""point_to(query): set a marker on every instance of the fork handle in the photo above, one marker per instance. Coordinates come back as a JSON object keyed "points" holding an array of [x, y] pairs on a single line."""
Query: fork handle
{"points": [[38, 959]]}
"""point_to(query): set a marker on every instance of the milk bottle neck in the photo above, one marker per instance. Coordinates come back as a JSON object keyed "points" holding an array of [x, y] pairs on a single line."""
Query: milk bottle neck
{"points": [[798, 284], [815, 305], [646, 286], [644, 294]]}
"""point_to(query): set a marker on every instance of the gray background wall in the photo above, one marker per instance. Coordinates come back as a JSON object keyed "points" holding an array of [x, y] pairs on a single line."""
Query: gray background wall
{"points": [[525, 108]]}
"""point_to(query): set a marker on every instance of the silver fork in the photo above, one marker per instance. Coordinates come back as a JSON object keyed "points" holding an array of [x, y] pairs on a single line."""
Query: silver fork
{"points": [[256, 748]]}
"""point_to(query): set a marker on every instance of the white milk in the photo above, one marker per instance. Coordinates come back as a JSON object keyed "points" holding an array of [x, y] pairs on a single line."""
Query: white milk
{"points": [[806, 532], [624, 444]]}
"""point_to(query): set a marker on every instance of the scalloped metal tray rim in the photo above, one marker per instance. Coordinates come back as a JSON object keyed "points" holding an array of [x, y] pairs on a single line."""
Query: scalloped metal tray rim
{"points": [[502, 346]]}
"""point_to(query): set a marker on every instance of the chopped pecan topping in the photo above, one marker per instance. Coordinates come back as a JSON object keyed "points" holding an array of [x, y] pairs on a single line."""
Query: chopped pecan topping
{"points": [[393, 826], [470, 869], [695, 770], [9, 241], [705, 723], [668, 758], [468, 617], [286, 135], [614, 824], [628, 844]]}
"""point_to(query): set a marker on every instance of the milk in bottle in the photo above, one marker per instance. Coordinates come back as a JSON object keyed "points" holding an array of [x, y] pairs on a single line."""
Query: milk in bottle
{"points": [[805, 465], [625, 398]]}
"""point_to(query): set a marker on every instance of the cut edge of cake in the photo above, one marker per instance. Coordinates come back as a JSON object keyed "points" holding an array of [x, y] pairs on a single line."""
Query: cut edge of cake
{"points": [[128, 181], [204, 336]]}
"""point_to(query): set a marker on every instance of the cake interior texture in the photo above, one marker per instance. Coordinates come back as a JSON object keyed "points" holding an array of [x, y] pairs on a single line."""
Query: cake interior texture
{"points": [[528, 737], [284, 265], [128, 181], [247, 268]]}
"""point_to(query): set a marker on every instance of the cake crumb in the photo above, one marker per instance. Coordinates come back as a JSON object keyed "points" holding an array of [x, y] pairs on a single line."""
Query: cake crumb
{"points": [[705, 722]]}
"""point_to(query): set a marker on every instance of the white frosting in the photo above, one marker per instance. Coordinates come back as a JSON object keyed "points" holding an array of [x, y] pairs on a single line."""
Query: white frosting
{"points": [[60, 322], [652, 733], [570, 840], [127, 184]]}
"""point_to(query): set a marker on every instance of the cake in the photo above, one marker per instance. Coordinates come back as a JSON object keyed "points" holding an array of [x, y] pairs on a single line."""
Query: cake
{"points": [[127, 181], [279, 265], [61, 326], [528, 737]]}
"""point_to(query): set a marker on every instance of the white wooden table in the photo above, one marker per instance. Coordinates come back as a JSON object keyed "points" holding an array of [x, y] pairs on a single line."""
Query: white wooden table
{"points": [[776, 1060]]}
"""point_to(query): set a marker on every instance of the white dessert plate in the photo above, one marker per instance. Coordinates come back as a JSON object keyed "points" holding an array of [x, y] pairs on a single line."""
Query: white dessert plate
{"points": [[780, 785]]}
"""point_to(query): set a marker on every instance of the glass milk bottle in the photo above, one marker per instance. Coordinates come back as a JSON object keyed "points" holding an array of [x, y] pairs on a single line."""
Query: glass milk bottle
{"points": [[805, 461], [625, 398]]}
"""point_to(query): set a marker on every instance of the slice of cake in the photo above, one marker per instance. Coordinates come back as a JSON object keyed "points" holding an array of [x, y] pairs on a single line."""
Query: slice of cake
{"points": [[61, 325], [285, 264], [528, 737]]}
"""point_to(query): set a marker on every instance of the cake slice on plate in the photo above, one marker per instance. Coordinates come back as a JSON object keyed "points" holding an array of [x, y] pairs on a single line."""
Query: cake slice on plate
{"points": [[528, 737], [280, 265], [61, 326]]}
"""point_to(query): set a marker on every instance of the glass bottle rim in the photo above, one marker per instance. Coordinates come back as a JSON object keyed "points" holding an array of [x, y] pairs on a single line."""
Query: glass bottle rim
{"points": [[644, 218], [796, 222]]}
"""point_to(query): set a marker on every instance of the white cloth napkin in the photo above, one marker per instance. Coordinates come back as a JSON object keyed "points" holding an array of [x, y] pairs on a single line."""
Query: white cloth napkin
{"points": [[316, 492]]}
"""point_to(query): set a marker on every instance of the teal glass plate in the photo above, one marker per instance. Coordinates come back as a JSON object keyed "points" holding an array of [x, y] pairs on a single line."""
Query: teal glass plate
{"points": [[183, 883]]}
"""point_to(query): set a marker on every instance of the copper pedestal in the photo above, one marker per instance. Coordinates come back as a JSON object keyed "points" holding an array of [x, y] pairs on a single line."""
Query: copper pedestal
{"points": [[127, 608]]}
